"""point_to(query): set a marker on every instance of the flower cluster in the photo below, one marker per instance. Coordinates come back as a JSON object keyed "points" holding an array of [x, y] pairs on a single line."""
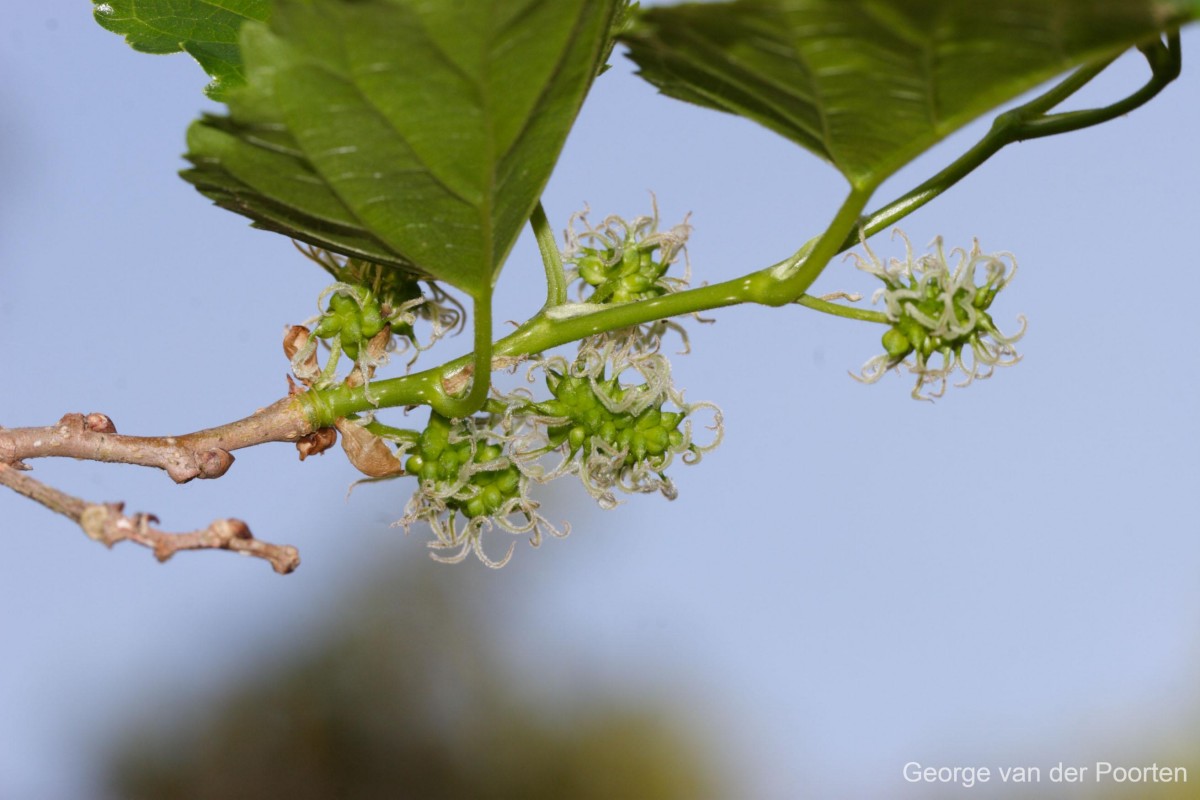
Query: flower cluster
{"points": [[353, 318], [621, 261], [611, 432], [475, 475], [939, 315], [368, 299], [613, 417], [601, 414], [468, 485]]}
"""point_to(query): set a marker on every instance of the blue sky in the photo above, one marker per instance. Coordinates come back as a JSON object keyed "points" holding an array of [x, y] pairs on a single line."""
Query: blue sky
{"points": [[854, 580]]}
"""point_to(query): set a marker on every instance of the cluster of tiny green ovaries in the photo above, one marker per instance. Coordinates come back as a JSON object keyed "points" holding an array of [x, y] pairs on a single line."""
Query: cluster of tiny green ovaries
{"points": [[587, 408], [937, 309], [911, 334], [398, 293], [467, 485], [624, 260], [621, 277], [611, 435], [484, 480], [354, 316]]}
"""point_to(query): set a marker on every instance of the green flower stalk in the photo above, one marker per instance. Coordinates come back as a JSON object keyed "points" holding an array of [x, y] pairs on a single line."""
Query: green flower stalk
{"points": [[939, 315]]}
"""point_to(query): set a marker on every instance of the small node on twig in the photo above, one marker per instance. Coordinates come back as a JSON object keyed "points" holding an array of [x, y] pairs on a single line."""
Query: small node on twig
{"points": [[316, 443], [214, 463], [94, 522], [99, 423], [234, 529], [69, 423]]}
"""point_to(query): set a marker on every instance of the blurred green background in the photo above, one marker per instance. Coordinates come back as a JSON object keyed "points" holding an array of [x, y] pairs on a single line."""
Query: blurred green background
{"points": [[407, 695]]}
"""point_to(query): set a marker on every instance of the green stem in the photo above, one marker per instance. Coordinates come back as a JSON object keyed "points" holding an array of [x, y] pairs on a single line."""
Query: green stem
{"points": [[556, 282], [481, 374], [1029, 121], [776, 285], [810, 260], [1063, 91], [324, 406], [838, 310], [779, 284], [393, 434], [1165, 61]]}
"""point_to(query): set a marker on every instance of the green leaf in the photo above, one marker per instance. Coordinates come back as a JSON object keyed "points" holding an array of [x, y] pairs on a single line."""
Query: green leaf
{"points": [[207, 30], [415, 134], [870, 84]]}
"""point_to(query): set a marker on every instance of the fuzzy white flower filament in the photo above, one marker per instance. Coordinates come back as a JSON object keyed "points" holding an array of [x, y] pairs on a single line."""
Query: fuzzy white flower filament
{"points": [[938, 306]]}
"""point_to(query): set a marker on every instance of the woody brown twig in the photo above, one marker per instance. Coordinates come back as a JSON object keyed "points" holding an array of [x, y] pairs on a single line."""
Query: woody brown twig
{"points": [[107, 523], [204, 454]]}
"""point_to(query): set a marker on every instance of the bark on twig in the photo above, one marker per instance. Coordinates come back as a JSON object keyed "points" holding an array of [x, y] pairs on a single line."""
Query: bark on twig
{"points": [[107, 523], [204, 454]]}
